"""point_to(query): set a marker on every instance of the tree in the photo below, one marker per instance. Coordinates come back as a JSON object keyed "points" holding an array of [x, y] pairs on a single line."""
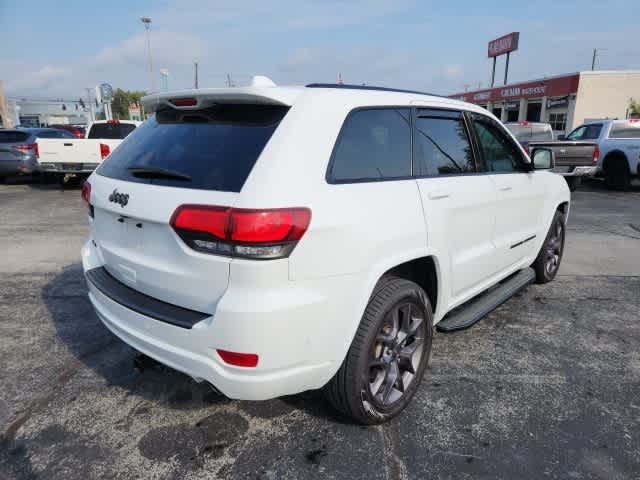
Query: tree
{"points": [[634, 108], [121, 101]]}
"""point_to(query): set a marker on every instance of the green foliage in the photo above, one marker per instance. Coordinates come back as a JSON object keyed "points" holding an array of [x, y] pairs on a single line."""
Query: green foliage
{"points": [[634, 107], [121, 101]]}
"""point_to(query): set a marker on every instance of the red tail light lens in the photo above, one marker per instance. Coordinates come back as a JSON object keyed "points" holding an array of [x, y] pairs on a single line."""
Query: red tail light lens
{"points": [[596, 154], [105, 150], [86, 197], [28, 147], [260, 234], [184, 102], [238, 359]]}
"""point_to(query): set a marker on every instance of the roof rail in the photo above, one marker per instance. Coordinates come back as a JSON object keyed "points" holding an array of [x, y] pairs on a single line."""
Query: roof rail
{"points": [[347, 86]]}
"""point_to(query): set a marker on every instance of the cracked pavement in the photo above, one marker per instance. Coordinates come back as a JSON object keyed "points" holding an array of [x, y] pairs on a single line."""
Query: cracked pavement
{"points": [[546, 386]]}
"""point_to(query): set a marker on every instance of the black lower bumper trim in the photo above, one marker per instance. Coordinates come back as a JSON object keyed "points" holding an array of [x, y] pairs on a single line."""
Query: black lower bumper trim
{"points": [[141, 303]]}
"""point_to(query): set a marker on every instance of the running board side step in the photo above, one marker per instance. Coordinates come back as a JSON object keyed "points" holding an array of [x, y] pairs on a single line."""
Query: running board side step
{"points": [[469, 313]]}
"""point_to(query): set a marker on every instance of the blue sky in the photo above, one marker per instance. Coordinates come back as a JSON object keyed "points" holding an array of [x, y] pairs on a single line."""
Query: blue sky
{"points": [[56, 49]]}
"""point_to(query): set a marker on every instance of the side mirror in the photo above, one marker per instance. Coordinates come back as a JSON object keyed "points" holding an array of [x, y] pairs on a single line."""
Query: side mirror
{"points": [[562, 137], [542, 159]]}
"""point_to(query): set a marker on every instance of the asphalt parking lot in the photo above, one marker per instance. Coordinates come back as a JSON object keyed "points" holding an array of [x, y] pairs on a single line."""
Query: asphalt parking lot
{"points": [[547, 386]]}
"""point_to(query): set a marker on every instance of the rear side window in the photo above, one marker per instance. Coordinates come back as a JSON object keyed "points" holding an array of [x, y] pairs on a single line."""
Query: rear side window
{"points": [[625, 130], [586, 132], [13, 137], [441, 144], [373, 144], [210, 149], [112, 131]]}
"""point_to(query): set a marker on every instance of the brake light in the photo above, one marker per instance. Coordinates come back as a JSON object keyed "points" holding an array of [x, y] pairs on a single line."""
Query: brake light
{"points": [[524, 124], [115, 121], [238, 359], [184, 102], [86, 197], [105, 150], [250, 233], [29, 147], [596, 154]]}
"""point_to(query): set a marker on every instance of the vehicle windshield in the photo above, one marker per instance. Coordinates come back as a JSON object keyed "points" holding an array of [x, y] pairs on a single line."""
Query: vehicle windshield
{"points": [[586, 132]]}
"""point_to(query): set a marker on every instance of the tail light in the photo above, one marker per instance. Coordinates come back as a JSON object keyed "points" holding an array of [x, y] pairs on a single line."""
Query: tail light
{"points": [[596, 154], [184, 102], [238, 359], [28, 147], [86, 197], [105, 150], [262, 234], [115, 121]]}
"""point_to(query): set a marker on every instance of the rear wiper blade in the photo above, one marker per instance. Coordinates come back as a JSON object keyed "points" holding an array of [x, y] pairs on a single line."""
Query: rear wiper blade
{"points": [[156, 172]]}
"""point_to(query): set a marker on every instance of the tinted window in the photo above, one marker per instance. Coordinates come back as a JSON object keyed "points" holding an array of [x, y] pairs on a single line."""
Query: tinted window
{"points": [[114, 131], [373, 143], [586, 132], [216, 147], [54, 134], [441, 145], [625, 130], [10, 136], [498, 151]]}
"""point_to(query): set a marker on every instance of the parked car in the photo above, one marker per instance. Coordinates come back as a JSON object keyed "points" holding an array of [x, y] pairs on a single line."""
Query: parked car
{"points": [[526, 132], [82, 156], [19, 150], [271, 240], [76, 130], [618, 149]]}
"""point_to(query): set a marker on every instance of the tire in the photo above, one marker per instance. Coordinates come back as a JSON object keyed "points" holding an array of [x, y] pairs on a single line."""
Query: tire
{"points": [[386, 361], [573, 183], [616, 173], [548, 260]]}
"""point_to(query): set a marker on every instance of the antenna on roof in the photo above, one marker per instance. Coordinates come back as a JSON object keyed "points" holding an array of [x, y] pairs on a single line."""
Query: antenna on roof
{"points": [[262, 81]]}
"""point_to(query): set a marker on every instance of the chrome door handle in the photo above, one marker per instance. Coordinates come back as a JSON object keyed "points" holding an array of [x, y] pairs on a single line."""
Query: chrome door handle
{"points": [[505, 188], [438, 195]]}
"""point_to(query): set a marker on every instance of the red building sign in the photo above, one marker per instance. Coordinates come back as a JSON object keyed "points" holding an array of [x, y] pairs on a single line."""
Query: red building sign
{"points": [[504, 44], [552, 87]]}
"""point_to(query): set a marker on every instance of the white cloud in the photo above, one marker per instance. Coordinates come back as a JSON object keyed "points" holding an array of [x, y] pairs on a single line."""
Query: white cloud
{"points": [[41, 79], [453, 71]]}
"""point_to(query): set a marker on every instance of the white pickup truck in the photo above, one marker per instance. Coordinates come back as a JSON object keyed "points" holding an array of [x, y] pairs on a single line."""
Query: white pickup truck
{"points": [[81, 156], [618, 147]]}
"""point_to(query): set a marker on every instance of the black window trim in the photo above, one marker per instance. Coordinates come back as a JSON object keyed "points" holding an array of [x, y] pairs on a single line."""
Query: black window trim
{"points": [[336, 181]]}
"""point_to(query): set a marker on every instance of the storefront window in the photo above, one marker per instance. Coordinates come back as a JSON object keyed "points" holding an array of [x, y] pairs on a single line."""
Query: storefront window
{"points": [[558, 121]]}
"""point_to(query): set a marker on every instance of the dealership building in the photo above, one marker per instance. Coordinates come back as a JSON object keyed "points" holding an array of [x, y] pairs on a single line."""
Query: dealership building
{"points": [[564, 101]]}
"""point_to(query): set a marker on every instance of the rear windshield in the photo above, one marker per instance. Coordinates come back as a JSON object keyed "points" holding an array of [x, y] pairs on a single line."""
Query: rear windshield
{"points": [[210, 149], [113, 131], [625, 130], [13, 137], [531, 133], [586, 132]]}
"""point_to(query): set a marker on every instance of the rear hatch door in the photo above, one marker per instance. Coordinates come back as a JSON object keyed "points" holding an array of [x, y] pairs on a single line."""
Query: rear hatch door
{"points": [[177, 157]]}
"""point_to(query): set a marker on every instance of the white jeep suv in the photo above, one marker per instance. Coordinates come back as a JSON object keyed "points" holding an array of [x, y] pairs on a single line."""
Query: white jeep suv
{"points": [[271, 240]]}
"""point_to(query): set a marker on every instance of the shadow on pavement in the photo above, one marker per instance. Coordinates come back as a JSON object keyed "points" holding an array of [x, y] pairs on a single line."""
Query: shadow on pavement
{"points": [[78, 327]]}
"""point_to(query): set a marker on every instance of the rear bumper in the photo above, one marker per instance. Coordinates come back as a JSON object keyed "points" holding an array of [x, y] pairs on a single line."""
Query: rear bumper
{"points": [[286, 338], [68, 167], [589, 171], [14, 167]]}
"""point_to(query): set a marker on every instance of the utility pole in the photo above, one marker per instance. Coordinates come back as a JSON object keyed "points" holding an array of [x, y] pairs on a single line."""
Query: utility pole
{"points": [[7, 119], [229, 80], [195, 68], [146, 21], [593, 60]]}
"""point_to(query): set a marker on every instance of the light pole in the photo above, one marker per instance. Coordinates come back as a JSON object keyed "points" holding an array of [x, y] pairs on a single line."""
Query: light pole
{"points": [[146, 21]]}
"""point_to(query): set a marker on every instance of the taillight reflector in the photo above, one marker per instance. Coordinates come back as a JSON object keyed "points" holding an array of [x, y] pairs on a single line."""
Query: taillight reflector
{"points": [[86, 192], [105, 150], [596, 154], [184, 102], [238, 359]]}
